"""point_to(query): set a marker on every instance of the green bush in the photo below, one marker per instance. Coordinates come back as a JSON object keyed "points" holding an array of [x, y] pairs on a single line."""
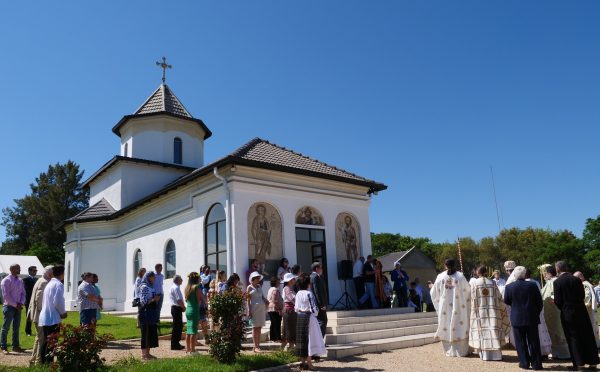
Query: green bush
{"points": [[77, 348], [225, 342]]}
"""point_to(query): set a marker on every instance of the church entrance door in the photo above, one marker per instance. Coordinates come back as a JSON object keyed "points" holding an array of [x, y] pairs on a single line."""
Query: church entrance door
{"points": [[310, 247]]}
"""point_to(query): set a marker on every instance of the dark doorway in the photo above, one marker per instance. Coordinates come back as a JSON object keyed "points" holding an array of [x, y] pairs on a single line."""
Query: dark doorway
{"points": [[310, 247]]}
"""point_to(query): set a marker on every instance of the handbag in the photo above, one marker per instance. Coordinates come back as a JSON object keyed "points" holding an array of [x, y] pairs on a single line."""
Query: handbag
{"points": [[135, 302]]}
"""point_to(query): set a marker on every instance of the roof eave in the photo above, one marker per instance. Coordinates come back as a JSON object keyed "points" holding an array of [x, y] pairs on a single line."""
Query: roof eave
{"points": [[117, 128]]}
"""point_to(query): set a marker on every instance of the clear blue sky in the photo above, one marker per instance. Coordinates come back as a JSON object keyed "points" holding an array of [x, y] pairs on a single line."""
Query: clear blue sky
{"points": [[421, 95]]}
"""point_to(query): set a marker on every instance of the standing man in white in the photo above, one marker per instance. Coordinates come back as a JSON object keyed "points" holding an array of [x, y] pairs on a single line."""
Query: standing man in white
{"points": [[451, 295]]}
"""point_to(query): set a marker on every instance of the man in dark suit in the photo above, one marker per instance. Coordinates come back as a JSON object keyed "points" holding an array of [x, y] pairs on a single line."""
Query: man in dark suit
{"points": [[569, 297], [526, 304], [29, 282], [319, 290]]}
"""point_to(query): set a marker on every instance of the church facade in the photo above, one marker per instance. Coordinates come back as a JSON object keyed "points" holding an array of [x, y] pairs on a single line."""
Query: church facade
{"points": [[158, 202]]}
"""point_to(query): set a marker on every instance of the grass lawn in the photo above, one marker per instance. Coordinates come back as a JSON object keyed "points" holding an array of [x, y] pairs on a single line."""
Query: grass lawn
{"points": [[121, 328], [202, 363]]}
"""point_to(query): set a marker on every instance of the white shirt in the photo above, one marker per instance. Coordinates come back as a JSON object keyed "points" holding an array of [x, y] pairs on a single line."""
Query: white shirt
{"points": [[500, 283], [53, 303], [175, 295], [357, 269]]}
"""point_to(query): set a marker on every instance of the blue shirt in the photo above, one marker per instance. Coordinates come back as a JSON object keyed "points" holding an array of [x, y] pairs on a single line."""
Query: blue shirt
{"points": [[158, 284], [399, 282]]}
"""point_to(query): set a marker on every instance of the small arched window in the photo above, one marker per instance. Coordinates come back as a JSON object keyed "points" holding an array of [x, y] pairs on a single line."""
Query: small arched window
{"points": [[126, 149], [69, 276], [170, 261], [177, 150], [216, 239], [137, 262]]}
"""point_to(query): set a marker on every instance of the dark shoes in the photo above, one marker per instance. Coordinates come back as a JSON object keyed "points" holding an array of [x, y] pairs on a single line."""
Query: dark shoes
{"points": [[18, 350], [177, 347]]}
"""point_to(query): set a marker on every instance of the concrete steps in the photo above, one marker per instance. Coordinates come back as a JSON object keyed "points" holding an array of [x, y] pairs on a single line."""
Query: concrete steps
{"points": [[367, 331]]}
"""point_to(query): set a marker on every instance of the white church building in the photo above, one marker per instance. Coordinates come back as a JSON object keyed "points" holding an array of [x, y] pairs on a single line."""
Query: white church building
{"points": [[159, 202]]}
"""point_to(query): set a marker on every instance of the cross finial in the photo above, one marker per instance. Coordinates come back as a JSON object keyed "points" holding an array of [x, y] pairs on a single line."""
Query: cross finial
{"points": [[164, 67]]}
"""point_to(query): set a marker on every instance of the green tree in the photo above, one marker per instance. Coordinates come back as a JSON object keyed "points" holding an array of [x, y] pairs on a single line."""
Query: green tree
{"points": [[591, 246], [385, 243], [33, 224]]}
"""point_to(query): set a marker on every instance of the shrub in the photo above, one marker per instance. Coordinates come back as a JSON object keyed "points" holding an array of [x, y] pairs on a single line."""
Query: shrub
{"points": [[226, 341], [77, 348]]}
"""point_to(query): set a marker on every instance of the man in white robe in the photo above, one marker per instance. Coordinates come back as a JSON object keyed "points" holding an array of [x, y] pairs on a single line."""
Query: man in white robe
{"points": [[451, 295], [489, 321], [591, 303]]}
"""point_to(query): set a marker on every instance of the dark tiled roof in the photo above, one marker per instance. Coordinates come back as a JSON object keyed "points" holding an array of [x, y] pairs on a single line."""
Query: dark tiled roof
{"points": [[162, 102], [262, 154], [119, 158], [263, 151], [99, 210]]}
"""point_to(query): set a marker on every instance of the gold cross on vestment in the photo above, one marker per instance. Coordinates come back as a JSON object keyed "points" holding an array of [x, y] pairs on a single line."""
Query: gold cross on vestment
{"points": [[164, 67]]}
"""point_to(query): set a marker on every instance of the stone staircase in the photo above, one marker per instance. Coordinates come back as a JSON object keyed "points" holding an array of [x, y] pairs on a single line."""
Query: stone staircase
{"points": [[367, 331]]}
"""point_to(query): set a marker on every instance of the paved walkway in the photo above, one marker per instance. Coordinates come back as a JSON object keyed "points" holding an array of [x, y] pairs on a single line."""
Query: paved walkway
{"points": [[423, 358], [428, 358]]}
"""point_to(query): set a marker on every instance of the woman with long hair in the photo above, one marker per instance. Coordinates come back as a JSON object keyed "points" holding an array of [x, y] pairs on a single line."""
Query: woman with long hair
{"points": [[193, 296], [148, 315], [222, 284]]}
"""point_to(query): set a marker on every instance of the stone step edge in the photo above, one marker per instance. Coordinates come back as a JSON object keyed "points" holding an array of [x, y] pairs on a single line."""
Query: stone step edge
{"points": [[381, 331], [370, 312], [410, 316], [331, 327], [382, 341]]}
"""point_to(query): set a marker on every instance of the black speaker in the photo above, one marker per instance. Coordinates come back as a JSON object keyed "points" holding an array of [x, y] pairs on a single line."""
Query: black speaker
{"points": [[345, 270]]}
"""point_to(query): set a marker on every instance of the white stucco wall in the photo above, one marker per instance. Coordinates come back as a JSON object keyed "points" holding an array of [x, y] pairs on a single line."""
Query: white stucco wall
{"points": [[152, 138], [107, 186], [107, 248]]}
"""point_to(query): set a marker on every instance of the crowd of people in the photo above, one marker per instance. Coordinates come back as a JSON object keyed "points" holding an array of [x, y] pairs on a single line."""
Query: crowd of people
{"points": [[296, 305], [483, 314], [374, 289], [44, 303]]}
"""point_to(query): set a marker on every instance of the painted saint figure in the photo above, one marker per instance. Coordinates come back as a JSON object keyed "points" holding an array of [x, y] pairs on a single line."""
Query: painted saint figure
{"points": [[261, 234], [349, 239], [307, 218]]}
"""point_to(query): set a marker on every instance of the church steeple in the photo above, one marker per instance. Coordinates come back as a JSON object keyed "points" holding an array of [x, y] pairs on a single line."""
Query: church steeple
{"points": [[163, 100]]}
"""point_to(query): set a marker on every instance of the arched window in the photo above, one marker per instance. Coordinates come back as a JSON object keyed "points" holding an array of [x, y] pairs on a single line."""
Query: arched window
{"points": [[69, 276], [170, 261], [177, 150], [137, 262], [126, 149], [216, 238]]}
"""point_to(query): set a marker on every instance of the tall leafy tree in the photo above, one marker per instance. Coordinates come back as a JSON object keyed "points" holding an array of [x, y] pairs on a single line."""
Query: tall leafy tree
{"points": [[33, 224]]}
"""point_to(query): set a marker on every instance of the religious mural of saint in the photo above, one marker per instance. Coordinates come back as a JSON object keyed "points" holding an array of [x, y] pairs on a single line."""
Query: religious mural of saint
{"points": [[347, 237], [261, 234], [309, 216], [265, 237]]}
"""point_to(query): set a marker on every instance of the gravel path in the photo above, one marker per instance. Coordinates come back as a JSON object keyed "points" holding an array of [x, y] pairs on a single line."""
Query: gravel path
{"points": [[428, 358], [423, 358]]}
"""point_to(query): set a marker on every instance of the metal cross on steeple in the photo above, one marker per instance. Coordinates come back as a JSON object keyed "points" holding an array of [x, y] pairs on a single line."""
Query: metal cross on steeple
{"points": [[164, 67]]}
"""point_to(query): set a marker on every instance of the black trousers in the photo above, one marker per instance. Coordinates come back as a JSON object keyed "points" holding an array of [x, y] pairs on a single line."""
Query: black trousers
{"points": [[527, 343], [275, 329], [359, 286], [27, 321], [176, 312], [322, 318], [46, 353]]}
